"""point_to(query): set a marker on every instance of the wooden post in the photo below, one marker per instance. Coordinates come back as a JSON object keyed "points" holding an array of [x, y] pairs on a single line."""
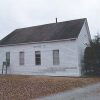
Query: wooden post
{"points": [[2, 68]]}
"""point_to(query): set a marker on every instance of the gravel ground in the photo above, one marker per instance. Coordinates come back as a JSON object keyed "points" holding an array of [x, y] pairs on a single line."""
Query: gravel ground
{"points": [[30, 87], [91, 92]]}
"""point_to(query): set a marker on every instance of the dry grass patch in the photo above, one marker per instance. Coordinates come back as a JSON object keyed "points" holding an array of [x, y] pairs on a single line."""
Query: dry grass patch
{"points": [[28, 87]]}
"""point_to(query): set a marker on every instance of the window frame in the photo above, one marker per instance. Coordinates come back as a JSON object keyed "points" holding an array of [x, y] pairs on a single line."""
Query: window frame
{"points": [[56, 58], [21, 58], [38, 58], [8, 58]]}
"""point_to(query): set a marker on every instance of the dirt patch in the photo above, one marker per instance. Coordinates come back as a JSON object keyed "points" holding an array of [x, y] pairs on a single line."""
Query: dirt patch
{"points": [[30, 87]]}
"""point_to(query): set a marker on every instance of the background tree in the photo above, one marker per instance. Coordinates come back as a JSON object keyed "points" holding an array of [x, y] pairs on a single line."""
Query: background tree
{"points": [[92, 56]]}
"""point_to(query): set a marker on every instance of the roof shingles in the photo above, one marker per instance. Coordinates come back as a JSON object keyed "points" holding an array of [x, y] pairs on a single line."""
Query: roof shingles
{"points": [[48, 32]]}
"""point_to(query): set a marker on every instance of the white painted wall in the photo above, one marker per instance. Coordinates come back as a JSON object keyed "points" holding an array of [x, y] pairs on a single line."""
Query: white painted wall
{"points": [[68, 59], [83, 41]]}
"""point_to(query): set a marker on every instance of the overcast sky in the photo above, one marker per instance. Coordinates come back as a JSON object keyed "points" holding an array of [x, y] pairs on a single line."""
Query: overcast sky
{"points": [[24, 13]]}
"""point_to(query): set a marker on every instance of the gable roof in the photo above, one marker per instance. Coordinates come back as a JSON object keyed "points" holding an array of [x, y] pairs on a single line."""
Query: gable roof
{"points": [[47, 32]]}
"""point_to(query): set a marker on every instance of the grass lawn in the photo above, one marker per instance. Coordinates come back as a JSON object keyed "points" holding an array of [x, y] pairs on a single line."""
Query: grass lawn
{"points": [[29, 87]]}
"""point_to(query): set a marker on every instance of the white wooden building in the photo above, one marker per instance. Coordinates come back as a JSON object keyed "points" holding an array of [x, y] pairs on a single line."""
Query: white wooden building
{"points": [[55, 49]]}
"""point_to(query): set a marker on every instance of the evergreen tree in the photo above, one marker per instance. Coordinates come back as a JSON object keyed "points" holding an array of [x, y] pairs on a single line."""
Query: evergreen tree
{"points": [[92, 56]]}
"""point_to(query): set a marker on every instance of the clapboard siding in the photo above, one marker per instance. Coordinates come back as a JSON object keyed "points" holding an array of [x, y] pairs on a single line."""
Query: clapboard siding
{"points": [[83, 41], [67, 52]]}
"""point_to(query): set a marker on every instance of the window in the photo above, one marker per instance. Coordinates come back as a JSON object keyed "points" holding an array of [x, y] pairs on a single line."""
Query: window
{"points": [[37, 58], [55, 57], [21, 58], [8, 58]]}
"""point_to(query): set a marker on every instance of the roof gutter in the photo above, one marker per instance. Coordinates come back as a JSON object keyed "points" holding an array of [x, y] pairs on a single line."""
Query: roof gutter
{"points": [[38, 42]]}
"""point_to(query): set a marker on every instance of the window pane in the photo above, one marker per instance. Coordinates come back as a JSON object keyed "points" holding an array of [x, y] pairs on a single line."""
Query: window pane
{"points": [[56, 57], [21, 55], [37, 58]]}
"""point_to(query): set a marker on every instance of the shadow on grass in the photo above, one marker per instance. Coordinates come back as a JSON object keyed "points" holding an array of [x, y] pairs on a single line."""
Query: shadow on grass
{"points": [[91, 74]]}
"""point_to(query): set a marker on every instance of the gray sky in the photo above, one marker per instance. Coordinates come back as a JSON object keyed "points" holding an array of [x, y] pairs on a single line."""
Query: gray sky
{"points": [[24, 13]]}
